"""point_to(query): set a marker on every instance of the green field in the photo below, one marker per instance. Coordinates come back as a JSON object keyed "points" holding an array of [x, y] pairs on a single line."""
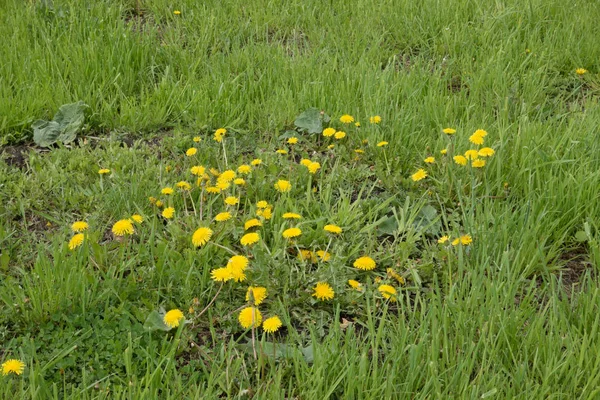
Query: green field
{"points": [[512, 314]]}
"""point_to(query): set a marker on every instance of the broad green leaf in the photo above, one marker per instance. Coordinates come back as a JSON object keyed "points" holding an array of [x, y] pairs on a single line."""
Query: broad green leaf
{"points": [[311, 120], [64, 127], [70, 118], [45, 133], [154, 322]]}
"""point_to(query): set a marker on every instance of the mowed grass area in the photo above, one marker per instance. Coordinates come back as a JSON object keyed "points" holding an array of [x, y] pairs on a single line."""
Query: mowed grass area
{"points": [[514, 314]]}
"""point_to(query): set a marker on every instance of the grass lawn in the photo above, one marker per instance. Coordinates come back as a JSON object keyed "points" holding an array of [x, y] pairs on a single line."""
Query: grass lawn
{"points": [[338, 240]]}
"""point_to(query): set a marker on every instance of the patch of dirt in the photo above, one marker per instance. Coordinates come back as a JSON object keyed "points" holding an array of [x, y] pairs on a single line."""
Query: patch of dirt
{"points": [[576, 266], [457, 85], [15, 156]]}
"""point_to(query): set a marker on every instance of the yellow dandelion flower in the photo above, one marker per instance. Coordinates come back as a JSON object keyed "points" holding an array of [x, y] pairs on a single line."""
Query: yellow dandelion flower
{"points": [[221, 274], [79, 226], [244, 169], [388, 292], [137, 218], [375, 120], [283, 186], [213, 189], [355, 285], [478, 163], [168, 213], [167, 191], [281, 151], [267, 213], [76, 241], [382, 144], [323, 291], [159, 203], [239, 181], [13, 367], [455, 242], [249, 239], [328, 132], [486, 152], [305, 161], [460, 160], [219, 133], [359, 151], [201, 236], [306, 255], [152, 200], [256, 162], [340, 135], [183, 185], [365, 263], [123, 227], [291, 215], [331, 146], [237, 274], [238, 262], [419, 175], [191, 151], [177, 12], [197, 139], [480, 132], [258, 293], [226, 176], [471, 154], [250, 317], [444, 152], [449, 131], [272, 325], [223, 185], [395, 275], [429, 160], [466, 240], [333, 229], [104, 171], [581, 71], [476, 139], [198, 170], [443, 239], [313, 167], [231, 200], [224, 216], [346, 119], [292, 140], [324, 255], [262, 204], [173, 318], [357, 124], [292, 233]]}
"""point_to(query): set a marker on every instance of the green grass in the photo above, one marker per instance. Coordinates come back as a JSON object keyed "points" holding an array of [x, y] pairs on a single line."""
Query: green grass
{"points": [[513, 315]]}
